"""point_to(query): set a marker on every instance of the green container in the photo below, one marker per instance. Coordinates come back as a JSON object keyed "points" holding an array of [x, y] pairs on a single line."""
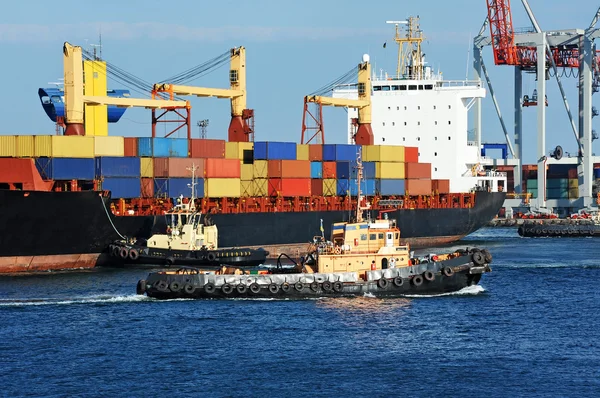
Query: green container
{"points": [[557, 193], [556, 183]]}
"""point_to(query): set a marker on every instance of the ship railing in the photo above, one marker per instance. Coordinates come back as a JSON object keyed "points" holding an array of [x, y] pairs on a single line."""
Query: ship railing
{"points": [[472, 143]]}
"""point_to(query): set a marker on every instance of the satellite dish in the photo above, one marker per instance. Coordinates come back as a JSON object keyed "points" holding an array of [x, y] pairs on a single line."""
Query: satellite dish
{"points": [[557, 153], [366, 58]]}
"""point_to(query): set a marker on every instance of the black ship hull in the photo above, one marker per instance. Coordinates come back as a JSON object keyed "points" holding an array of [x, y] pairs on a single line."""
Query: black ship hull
{"points": [[50, 230], [580, 228]]}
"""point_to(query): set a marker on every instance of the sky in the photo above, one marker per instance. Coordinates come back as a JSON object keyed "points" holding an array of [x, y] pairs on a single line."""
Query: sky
{"points": [[292, 49]]}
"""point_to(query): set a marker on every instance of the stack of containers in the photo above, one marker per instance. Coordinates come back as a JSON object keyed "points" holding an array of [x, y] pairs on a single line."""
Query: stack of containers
{"points": [[120, 175], [172, 176], [222, 178], [559, 185], [243, 153], [340, 155], [389, 163], [64, 158], [287, 176]]}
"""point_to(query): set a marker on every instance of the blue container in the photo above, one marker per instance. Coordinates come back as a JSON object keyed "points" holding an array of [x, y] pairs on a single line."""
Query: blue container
{"points": [[175, 187], [316, 170], [123, 187], [369, 170], [349, 169], [557, 193], [367, 187], [337, 152], [179, 148], [559, 170], [388, 187], [144, 147], [66, 168], [343, 169], [596, 173], [170, 148], [265, 150], [108, 166]]}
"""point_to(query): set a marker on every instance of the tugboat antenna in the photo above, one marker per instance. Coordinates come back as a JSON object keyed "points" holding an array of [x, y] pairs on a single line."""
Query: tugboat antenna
{"points": [[192, 186], [359, 172]]}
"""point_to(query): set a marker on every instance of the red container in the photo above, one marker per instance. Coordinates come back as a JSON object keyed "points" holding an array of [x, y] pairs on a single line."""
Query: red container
{"points": [[316, 187], [572, 173], [315, 152], [418, 187], [329, 170], [440, 186], [274, 187], [161, 167], [289, 168], [202, 148], [289, 187], [147, 187], [418, 170], [130, 146], [411, 154], [222, 168]]}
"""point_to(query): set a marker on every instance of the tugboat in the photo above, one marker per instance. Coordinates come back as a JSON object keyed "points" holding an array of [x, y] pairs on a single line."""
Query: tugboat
{"points": [[188, 242], [362, 257], [589, 226]]}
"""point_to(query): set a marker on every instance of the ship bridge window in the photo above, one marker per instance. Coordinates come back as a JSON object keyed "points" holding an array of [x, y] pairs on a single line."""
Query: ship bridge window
{"points": [[169, 219], [56, 99], [183, 219], [420, 87], [429, 87], [372, 236], [412, 87], [376, 88], [385, 88], [403, 87], [395, 88], [396, 235]]}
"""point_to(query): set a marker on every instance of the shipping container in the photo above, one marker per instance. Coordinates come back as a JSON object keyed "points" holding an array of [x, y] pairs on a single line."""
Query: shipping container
{"points": [[260, 169], [557, 193], [596, 173], [316, 170], [25, 146], [315, 152], [329, 170], [108, 166], [289, 169], [145, 147], [389, 187], [418, 170], [572, 173], [559, 170], [147, 187], [264, 150], [260, 187], [43, 146], [109, 146], [443, 186], [8, 146], [222, 168], [239, 150], [418, 187], [169, 147], [246, 171], [146, 167], [562, 183], [246, 188], [337, 152], [223, 187], [349, 169], [316, 187], [203, 148], [130, 147], [289, 187], [122, 187], [573, 193], [302, 152], [329, 187], [66, 168], [383, 153], [72, 146], [391, 170], [367, 187], [573, 183], [178, 167], [177, 186], [411, 154]]}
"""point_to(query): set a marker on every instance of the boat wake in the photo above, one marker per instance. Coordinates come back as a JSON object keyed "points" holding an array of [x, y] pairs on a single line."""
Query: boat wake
{"points": [[75, 300], [465, 291]]}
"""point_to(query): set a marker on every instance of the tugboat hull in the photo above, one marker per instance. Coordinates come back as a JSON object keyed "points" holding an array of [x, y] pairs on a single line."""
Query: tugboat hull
{"points": [[533, 230]]}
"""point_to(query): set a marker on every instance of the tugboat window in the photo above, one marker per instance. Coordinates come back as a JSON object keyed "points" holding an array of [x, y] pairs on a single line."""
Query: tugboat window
{"points": [[372, 236], [183, 219], [380, 236], [363, 236]]}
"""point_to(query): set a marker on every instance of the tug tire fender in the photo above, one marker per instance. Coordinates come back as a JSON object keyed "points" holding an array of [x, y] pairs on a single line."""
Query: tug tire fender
{"points": [[134, 254], [448, 271], [429, 276], [478, 258]]}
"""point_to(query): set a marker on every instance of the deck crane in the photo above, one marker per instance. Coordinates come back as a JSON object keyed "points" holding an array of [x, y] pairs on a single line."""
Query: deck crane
{"points": [[241, 127], [364, 133], [75, 99]]}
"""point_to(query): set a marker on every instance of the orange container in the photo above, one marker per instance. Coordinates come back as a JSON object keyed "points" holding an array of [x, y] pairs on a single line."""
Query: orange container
{"points": [[418, 187], [418, 170], [161, 167], [411, 154], [177, 167], [222, 168], [440, 186], [315, 152], [202, 148], [130, 146], [147, 187], [289, 168], [295, 186], [316, 187], [329, 170]]}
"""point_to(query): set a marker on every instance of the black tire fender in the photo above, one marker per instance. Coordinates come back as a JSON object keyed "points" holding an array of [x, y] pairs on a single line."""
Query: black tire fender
{"points": [[382, 283], [338, 286], [448, 271], [209, 287], [285, 287], [327, 286], [211, 256], [478, 258], [161, 285], [124, 253], [254, 287], [487, 255], [189, 288], [141, 287], [241, 288], [417, 280], [174, 286], [314, 286], [170, 261], [134, 254], [299, 286], [429, 276], [398, 281], [227, 288], [274, 288]]}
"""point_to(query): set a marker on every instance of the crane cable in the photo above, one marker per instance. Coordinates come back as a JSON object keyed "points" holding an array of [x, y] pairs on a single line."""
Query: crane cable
{"points": [[343, 79]]}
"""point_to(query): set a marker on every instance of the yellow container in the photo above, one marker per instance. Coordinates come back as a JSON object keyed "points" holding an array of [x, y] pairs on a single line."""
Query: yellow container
{"points": [[109, 146], [8, 146], [573, 183], [388, 170], [147, 167], [302, 152], [43, 146], [260, 187], [235, 150], [246, 189], [383, 153], [25, 146], [222, 187], [72, 146], [573, 193], [329, 187], [247, 170], [260, 169]]}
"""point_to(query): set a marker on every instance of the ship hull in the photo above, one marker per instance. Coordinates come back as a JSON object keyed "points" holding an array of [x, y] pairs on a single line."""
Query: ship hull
{"points": [[43, 225]]}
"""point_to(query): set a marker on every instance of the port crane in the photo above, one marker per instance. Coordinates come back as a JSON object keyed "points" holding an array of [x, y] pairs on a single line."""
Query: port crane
{"points": [[75, 98], [241, 127], [364, 133], [572, 48]]}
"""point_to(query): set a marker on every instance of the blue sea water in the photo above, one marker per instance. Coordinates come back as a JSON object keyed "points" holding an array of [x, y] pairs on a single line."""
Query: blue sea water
{"points": [[531, 328]]}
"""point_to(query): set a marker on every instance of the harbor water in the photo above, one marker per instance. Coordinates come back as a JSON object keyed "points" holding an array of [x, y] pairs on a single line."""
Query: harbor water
{"points": [[530, 329]]}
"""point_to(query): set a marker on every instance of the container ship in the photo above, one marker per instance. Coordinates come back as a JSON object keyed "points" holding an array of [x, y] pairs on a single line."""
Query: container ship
{"points": [[66, 197]]}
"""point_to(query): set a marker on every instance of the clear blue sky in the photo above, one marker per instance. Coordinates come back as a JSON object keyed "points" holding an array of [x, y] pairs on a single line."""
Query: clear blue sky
{"points": [[293, 48]]}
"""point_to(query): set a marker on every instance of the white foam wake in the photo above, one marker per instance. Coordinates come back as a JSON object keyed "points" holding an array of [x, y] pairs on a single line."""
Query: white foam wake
{"points": [[74, 300]]}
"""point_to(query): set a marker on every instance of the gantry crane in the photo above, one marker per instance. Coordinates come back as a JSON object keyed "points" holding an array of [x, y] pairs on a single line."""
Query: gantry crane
{"points": [[364, 133], [571, 48], [241, 128], [75, 99]]}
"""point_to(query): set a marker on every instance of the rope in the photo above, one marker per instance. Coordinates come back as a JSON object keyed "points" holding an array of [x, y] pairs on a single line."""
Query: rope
{"points": [[109, 219]]}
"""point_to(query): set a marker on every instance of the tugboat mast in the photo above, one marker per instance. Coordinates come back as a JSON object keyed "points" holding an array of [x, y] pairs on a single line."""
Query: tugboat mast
{"points": [[359, 172], [192, 204]]}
